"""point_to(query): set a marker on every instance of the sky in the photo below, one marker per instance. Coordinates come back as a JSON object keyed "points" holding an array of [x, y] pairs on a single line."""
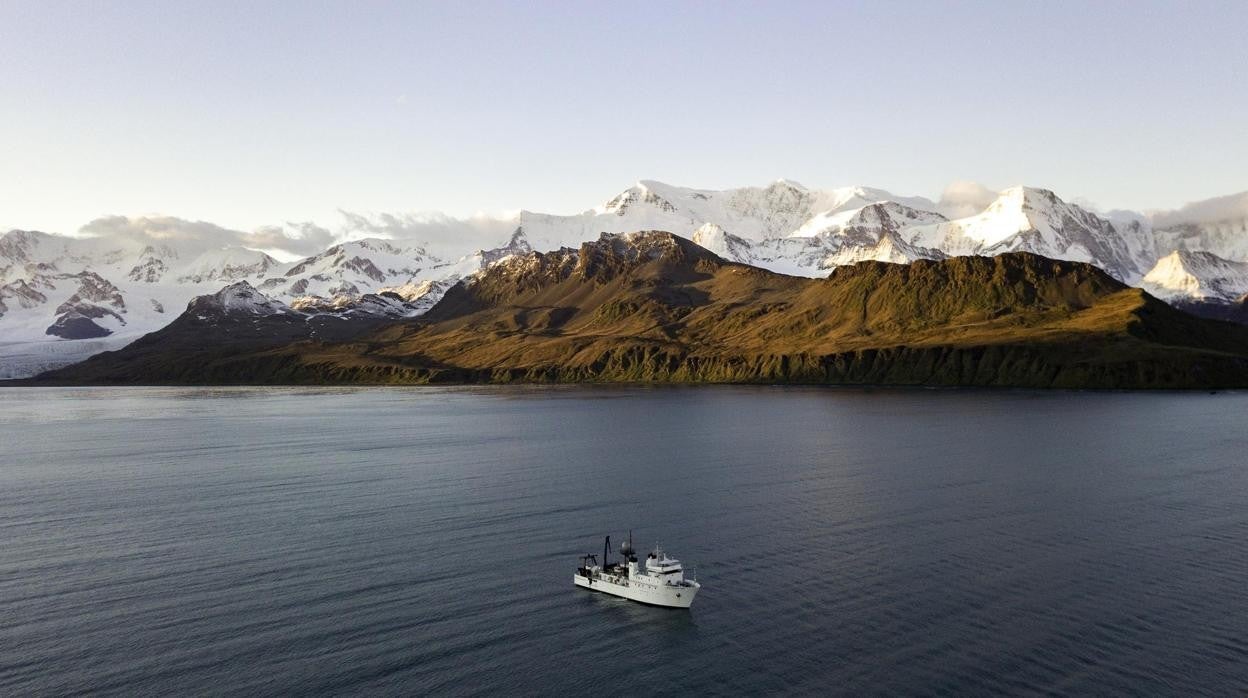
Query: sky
{"points": [[254, 114]]}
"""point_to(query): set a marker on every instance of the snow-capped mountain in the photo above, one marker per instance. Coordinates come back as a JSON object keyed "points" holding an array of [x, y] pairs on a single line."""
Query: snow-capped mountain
{"points": [[784, 226], [889, 248], [64, 298], [77, 288], [239, 298], [422, 293], [788, 228], [243, 299], [755, 214], [1197, 276], [1218, 225], [102, 293], [224, 265], [352, 268], [1036, 220]]}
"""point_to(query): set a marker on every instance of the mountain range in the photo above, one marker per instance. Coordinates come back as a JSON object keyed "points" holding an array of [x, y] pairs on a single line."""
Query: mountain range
{"points": [[65, 298], [654, 307]]}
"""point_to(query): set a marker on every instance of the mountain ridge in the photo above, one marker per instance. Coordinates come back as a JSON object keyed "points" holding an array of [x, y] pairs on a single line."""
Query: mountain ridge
{"points": [[654, 307], [783, 226]]}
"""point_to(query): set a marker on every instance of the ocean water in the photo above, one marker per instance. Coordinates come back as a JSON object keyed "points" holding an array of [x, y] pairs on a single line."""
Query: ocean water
{"points": [[422, 541]]}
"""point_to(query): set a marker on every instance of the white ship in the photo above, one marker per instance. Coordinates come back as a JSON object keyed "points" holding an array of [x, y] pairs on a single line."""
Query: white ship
{"points": [[660, 583]]}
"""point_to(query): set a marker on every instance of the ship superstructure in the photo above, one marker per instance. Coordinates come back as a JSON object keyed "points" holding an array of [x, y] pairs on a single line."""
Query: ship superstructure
{"points": [[660, 581]]}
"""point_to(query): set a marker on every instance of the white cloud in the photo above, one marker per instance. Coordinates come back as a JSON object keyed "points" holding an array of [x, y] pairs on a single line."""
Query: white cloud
{"points": [[964, 198], [293, 239], [155, 230], [1122, 216], [437, 232], [440, 234], [1222, 208], [289, 240]]}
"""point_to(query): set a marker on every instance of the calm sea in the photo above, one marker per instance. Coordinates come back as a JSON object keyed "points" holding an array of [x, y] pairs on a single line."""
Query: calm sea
{"points": [[422, 541]]}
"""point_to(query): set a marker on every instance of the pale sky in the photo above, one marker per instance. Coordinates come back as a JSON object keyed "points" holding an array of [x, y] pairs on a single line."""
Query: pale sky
{"points": [[250, 114]]}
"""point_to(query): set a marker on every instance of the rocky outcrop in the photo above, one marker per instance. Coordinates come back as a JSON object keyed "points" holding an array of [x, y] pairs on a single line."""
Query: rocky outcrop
{"points": [[79, 324], [93, 288], [21, 295]]}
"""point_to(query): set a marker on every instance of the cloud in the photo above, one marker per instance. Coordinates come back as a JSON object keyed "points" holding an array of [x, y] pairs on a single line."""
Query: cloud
{"points": [[1216, 210], [292, 240], [437, 232], [156, 230], [1122, 217], [1086, 204], [964, 198], [440, 234], [297, 239]]}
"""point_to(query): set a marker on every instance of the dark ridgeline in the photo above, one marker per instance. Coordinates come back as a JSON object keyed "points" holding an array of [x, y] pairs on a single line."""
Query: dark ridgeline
{"points": [[654, 307]]}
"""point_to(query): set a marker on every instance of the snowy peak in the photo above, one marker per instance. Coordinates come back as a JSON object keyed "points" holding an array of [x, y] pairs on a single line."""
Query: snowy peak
{"points": [[831, 238], [375, 258], [724, 244], [1019, 196], [889, 248], [1218, 225], [853, 198], [1029, 219], [777, 205], [518, 244], [229, 264], [18, 245], [412, 295], [240, 298], [755, 214], [1197, 276], [641, 194], [866, 223], [152, 264], [1037, 209], [354, 268], [1015, 210]]}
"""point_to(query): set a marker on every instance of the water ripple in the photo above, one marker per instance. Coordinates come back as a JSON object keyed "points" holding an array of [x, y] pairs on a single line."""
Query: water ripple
{"points": [[421, 541]]}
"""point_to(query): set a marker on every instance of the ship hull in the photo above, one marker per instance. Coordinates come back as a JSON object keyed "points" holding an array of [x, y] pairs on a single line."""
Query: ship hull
{"points": [[642, 592]]}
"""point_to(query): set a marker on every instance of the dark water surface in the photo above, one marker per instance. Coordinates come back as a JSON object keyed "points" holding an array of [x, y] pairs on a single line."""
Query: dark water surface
{"points": [[372, 542]]}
